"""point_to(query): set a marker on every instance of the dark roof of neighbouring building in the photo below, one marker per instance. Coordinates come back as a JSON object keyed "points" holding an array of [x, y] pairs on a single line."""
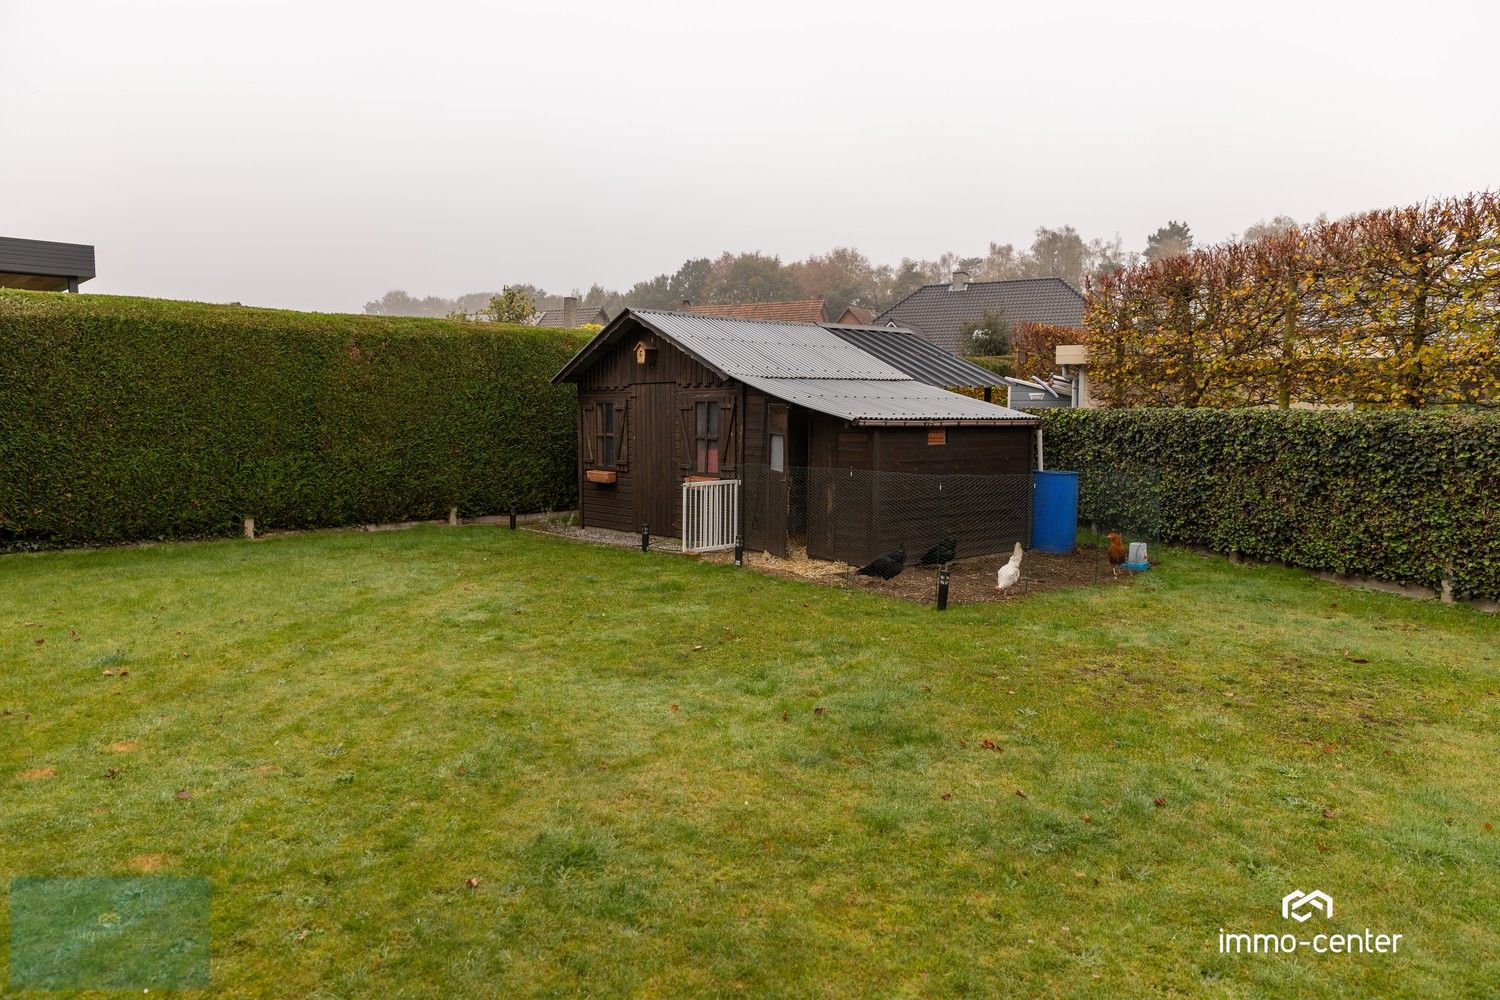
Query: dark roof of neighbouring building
{"points": [[937, 311], [796, 311], [917, 357], [554, 317], [43, 264], [805, 364]]}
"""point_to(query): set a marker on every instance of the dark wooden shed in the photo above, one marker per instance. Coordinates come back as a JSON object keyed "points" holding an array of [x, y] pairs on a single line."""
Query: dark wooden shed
{"points": [[839, 438]]}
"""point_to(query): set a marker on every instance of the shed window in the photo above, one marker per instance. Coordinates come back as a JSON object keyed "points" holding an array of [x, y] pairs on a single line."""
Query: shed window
{"points": [[778, 453], [607, 435], [708, 438]]}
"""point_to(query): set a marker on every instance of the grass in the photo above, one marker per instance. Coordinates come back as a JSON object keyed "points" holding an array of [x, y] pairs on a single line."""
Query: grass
{"points": [[675, 779]]}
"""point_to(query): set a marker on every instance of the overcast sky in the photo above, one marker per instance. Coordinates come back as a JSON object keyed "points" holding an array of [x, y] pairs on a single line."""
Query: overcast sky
{"points": [[314, 154]]}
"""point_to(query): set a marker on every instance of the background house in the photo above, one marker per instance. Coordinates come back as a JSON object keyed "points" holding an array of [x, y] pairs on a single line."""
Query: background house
{"points": [[938, 312], [44, 266], [836, 448], [569, 316], [857, 316]]}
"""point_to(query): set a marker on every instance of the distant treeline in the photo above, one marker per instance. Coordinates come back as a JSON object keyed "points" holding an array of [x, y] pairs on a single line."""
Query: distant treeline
{"points": [[843, 276]]}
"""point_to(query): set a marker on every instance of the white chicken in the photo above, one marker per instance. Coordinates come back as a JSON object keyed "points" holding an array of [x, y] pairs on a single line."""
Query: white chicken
{"points": [[1010, 572]]}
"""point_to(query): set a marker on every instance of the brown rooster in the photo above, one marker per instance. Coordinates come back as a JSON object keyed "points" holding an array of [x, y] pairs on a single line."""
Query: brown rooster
{"points": [[1117, 552]]}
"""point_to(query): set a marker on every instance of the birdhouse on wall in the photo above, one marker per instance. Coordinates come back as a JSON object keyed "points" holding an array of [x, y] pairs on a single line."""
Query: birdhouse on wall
{"points": [[645, 354]]}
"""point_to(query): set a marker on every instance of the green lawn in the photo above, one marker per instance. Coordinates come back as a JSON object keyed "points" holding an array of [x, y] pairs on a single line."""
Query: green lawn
{"points": [[672, 778]]}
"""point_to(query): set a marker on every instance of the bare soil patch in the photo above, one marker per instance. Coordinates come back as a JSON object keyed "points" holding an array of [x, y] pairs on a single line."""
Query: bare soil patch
{"points": [[38, 774], [970, 581], [145, 864]]}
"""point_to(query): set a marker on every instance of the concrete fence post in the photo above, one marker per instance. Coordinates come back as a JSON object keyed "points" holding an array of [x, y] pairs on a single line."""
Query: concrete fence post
{"points": [[453, 516], [249, 527]]}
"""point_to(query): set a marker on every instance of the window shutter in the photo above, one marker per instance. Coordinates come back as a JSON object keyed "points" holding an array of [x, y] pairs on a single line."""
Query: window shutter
{"points": [[728, 435], [588, 422], [622, 434], [687, 438]]}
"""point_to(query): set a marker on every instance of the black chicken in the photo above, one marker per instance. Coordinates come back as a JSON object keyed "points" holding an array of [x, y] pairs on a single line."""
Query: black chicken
{"points": [[887, 567], [942, 553]]}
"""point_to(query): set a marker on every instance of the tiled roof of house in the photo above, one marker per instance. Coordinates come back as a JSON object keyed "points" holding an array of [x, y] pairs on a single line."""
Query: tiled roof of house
{"points": [[857, 316], [798, 311], [937, 311], [554, 317]]}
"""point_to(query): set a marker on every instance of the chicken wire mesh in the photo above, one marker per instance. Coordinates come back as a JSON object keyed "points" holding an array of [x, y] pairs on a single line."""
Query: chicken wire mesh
{"points": [[1125, 497], [855, 515]]}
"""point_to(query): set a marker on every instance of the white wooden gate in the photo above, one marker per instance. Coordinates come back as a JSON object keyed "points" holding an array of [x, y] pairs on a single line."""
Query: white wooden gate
{"points": [[710, 515]]}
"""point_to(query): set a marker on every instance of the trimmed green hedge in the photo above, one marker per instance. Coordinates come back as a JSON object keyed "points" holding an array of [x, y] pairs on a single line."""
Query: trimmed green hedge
{"points": [[129, 418], [1400, 496]]}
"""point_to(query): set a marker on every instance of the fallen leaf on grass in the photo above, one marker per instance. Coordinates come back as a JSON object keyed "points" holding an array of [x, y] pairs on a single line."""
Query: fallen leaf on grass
{"points": [[947, 796], [1330, 813], [818, 710], [674, 706], [109, 673], [1020, 793], [39, 642], [472, 883], [988, 744], [1158, 802], [183, 793]]}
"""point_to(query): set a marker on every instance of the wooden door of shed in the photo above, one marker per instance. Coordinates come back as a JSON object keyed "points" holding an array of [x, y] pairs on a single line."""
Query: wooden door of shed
{"points": [[655, 456], [778, 490]]}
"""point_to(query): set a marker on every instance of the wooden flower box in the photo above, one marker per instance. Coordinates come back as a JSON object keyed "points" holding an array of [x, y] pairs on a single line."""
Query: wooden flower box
{"points": [[604, 477]]}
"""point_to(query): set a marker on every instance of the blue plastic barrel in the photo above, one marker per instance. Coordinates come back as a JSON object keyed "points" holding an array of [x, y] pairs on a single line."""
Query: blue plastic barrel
{"points": [[1054, 511]]}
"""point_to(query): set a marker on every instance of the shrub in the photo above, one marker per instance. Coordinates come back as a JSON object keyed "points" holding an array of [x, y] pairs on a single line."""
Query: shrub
{"points": [[1405, 496], [1036, 347], [1392, 308], [129, 418]]}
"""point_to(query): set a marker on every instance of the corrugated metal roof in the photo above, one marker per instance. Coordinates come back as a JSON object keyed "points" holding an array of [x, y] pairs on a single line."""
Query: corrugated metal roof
{"points": [[742, 348], [919, 358], [807, 365], [795, 311], [868, 401]]}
